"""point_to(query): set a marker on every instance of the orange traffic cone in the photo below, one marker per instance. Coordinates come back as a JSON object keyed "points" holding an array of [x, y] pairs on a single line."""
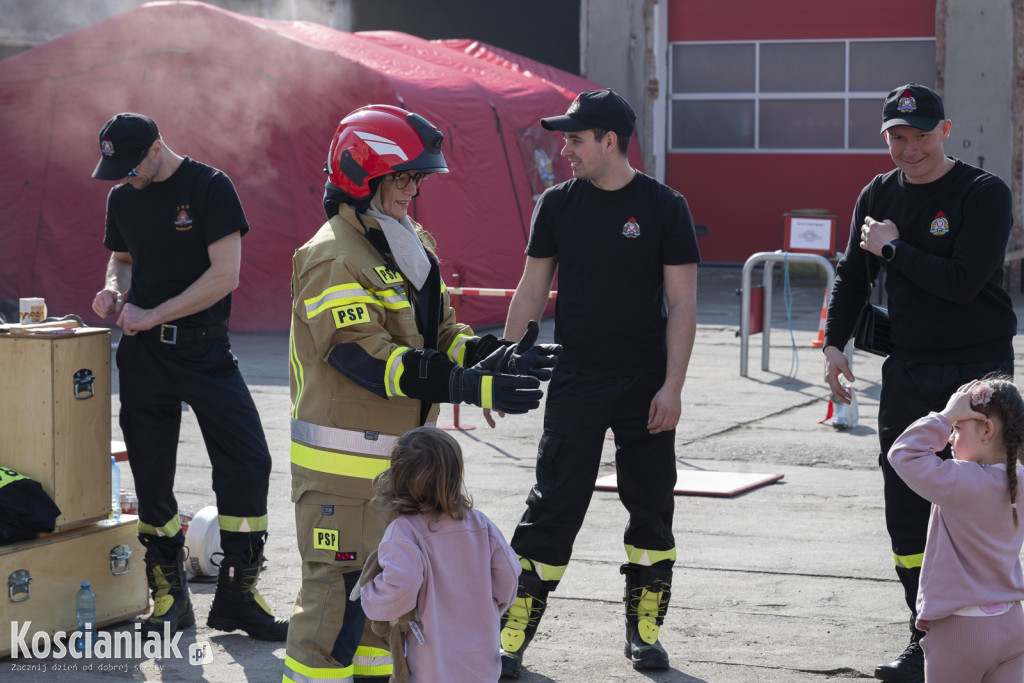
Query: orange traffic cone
{"points": [[820, 341]]}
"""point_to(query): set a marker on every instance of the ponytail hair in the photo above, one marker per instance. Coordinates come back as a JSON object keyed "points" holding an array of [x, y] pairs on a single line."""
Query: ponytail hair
{"points": [[1005, 407]]}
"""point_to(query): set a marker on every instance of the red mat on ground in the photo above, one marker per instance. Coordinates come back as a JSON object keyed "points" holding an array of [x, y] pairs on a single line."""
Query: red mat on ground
{"points": [[704, 482]]}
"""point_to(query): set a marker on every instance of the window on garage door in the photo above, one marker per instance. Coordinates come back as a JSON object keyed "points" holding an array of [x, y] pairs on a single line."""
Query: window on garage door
{"points": [[789, 96]]}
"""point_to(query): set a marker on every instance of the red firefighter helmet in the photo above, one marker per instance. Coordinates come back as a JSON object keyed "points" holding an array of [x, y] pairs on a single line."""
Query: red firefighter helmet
{"points": [[379, 139]]}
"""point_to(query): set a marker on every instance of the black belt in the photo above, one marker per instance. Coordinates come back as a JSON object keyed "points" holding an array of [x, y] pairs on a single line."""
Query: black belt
{"points": [[176, 334]]}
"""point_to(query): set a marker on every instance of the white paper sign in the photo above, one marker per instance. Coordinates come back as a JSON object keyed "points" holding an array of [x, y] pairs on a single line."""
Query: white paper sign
{"points": [[810, 233]]}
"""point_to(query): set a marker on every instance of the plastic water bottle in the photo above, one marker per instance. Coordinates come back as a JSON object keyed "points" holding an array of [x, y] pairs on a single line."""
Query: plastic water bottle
{"points": [[846, 416], [85, 611], [115, 490]]}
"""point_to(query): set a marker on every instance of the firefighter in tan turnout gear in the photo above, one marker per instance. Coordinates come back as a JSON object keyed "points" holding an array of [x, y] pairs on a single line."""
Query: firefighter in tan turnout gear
{"points": [[374, 348]]}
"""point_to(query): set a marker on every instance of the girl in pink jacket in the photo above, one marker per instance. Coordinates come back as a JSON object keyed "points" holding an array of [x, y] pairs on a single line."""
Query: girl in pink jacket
{"points": [[442, 557], [971, 580]]}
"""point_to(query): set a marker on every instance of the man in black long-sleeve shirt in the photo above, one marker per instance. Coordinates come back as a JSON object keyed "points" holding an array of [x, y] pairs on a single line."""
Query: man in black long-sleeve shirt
{"points": [[939, 227]]}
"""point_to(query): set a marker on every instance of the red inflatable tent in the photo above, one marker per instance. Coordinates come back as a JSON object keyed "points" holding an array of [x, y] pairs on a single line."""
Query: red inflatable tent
{"points": [[260, 100]]}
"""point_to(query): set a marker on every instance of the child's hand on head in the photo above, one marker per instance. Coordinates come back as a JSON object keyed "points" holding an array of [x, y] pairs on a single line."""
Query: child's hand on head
{"points": [[959, 405]]}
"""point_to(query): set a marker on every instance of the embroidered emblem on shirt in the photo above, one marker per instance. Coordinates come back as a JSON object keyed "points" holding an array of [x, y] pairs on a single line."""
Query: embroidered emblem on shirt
{"points": [[907, 103], [107, 147], [940, 226], [631, 229], [344, 557], [183, 222]]}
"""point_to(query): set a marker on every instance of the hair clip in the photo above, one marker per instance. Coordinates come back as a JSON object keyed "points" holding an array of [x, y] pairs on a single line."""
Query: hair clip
{"points": [[981, 395]]}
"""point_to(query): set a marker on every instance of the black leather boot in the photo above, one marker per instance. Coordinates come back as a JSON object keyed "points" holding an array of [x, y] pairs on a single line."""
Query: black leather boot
{"points": [[172, 606], [519, 623], [909, 666], [238, 605], [648, 590]]}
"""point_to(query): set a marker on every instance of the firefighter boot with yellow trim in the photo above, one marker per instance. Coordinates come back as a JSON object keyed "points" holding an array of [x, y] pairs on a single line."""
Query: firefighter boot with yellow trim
{"points": [[238, 605], [648, 590], [172, 606], [519, 623]]}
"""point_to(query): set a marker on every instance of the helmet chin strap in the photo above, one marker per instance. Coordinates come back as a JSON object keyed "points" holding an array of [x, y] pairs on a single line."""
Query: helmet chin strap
{"points": [[335, 195]]}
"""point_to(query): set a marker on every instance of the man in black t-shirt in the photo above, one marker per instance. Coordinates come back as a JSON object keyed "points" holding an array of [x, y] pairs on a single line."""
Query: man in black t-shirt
{"points": [[939, 227], [626, 254], [174, 227]]}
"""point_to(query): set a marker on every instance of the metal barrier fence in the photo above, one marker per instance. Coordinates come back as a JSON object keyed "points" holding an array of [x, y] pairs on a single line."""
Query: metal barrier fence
{"points": [[769, 259]]}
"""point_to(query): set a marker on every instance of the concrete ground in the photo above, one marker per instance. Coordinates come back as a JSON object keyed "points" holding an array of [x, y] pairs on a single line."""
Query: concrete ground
{"points": [[791, 582]]}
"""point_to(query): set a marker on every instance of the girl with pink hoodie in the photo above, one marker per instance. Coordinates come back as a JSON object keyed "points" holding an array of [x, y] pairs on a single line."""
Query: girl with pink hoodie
{"points": [[442, 558], [971, 580]]}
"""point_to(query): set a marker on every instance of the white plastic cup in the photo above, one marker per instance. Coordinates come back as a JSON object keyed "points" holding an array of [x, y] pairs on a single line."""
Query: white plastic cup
{"points": [[31, 310]]}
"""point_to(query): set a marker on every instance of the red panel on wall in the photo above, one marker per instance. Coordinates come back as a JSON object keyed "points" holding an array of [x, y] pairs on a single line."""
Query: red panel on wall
{"points": [[799, 19], [741, 198]]}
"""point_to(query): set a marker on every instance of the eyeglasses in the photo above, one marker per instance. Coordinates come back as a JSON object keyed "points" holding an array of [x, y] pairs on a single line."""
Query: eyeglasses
{"points": [[402, 179]]}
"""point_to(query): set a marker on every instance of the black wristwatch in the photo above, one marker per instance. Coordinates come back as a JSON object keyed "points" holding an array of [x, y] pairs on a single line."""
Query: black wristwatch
{"points": [[889, 250]]}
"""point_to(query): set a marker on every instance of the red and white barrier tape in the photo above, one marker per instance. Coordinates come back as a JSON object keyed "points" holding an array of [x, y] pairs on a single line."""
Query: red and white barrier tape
{"points": [[487, 291]]}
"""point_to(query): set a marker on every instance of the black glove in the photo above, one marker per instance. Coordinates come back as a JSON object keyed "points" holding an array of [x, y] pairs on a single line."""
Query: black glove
{"points": [[527, 358], [479, 348], [483, 386], [429, 375]]}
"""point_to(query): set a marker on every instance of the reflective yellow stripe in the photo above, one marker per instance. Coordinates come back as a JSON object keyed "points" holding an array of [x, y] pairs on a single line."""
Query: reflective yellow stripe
{"points": [[339, 295], [391, 298], [242, 524], [457, 351], [352, 293], [546, 572], [372, 661], [358, 466], [300, 673], [336, 439], [297, 371], [486, 400], [908, 561], [646, 558], [168, 530], [393, 372]]}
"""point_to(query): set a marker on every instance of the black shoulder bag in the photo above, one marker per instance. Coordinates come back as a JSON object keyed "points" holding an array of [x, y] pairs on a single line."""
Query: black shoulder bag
{"points": [[872, 333]]}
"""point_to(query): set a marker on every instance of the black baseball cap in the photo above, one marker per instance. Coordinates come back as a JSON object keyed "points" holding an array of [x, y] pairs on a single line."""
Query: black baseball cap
{"points": [[595, 109], [124, 140], [912, 105]]}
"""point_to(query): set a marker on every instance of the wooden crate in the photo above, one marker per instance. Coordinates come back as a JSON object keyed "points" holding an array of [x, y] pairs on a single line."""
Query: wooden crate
{"points": [[56, 417], [57, 564]]}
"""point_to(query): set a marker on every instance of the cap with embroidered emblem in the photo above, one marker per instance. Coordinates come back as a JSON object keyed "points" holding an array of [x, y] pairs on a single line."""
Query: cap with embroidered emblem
{"points": [[124, 140], [912, 105], [603, 109]]}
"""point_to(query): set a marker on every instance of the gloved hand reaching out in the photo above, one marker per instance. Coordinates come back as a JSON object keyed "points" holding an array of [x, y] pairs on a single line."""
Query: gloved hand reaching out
{"points": [[528, 358], [486, 386]]}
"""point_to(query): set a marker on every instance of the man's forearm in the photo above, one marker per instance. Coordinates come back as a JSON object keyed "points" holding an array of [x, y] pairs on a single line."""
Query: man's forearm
{"points": [[521, 311], [119, 274], [680, 334]]}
